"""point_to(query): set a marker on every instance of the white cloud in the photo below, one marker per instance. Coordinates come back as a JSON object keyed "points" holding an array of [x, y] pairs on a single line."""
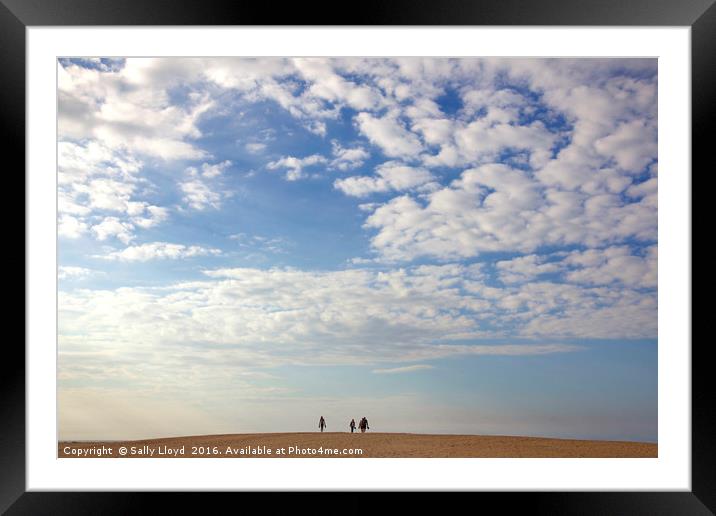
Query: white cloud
{"points": [[354, 316], [574, 136], [255, 148], [244, 74], [363, 261], [390, 135], [70, 272], [78, 161], [483, 140], [199, 189], [211, 171], [607, 134], [525, 268], [435, 131], [316, 127], [295, 165], [207, 339], [328, 85], [464, 142], [391, 175], [67, 203], [614, 264], [159, 251], [94, 179], [574, 311], [574, 132], [606, 266], [497, 208], [199, 196], [151, 216], [107, 194], [70, 227], [130, 109], [113, 227], [648, 189], [347, 158], [632, 145]]}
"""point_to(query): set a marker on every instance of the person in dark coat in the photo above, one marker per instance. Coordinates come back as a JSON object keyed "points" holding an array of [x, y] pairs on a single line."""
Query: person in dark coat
{"points": [[363, 425]]}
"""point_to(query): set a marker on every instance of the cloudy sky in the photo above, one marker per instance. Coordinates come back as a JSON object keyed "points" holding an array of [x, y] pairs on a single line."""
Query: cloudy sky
{"points": [[441, 245]]}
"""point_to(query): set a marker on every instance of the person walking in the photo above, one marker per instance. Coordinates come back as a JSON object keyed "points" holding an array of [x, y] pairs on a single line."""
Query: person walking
{"points": [[321, 423], [353, 425], [363, 425]]}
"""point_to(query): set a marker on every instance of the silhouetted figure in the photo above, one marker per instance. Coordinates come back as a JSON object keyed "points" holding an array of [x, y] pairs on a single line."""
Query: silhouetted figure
{"points": [[322, 423], [353, 425], [363, 425]]}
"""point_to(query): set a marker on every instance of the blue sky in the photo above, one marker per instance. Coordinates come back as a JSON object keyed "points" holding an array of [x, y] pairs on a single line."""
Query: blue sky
{"points": [[442, 245]]}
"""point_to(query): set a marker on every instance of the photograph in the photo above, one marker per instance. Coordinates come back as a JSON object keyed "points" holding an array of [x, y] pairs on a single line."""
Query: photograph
{"points": [[357, 257]]}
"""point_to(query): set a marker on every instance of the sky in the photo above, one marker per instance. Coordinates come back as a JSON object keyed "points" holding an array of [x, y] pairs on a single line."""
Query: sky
{"points": [[463, 246]]}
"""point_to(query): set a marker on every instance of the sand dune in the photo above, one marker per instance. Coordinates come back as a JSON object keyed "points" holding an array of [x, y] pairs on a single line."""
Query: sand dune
{"points": [[344, 445]]}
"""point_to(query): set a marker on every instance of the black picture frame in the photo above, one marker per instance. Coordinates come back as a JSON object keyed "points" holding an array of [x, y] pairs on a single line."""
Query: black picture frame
{"points": [[17, 15]]}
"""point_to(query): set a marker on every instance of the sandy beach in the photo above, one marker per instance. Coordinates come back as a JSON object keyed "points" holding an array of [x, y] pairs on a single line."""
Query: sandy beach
{"points": [[346, 445]]}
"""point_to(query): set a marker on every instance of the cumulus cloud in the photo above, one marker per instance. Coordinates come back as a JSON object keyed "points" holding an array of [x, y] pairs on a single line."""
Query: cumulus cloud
{"points": [[71, 272], [159, 251], [390, 135], [150, 216], [614, 264], [498, 208], [347, 158], [99, 193], [129, 109], [70, 227], [484, 140], [79, 161], [295, 166], [199, 195], [632, 145], [327, 84], [113, 227], [524, 268], [572, 134], [217, 169], [107, 194], [606, 266], [583, 128], [531, 183], [215, 335], [391, 175], [199, 190], [351, 316]]}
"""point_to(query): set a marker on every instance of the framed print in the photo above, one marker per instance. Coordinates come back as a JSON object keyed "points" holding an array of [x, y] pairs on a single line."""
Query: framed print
{"points": [[427, 251]]}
